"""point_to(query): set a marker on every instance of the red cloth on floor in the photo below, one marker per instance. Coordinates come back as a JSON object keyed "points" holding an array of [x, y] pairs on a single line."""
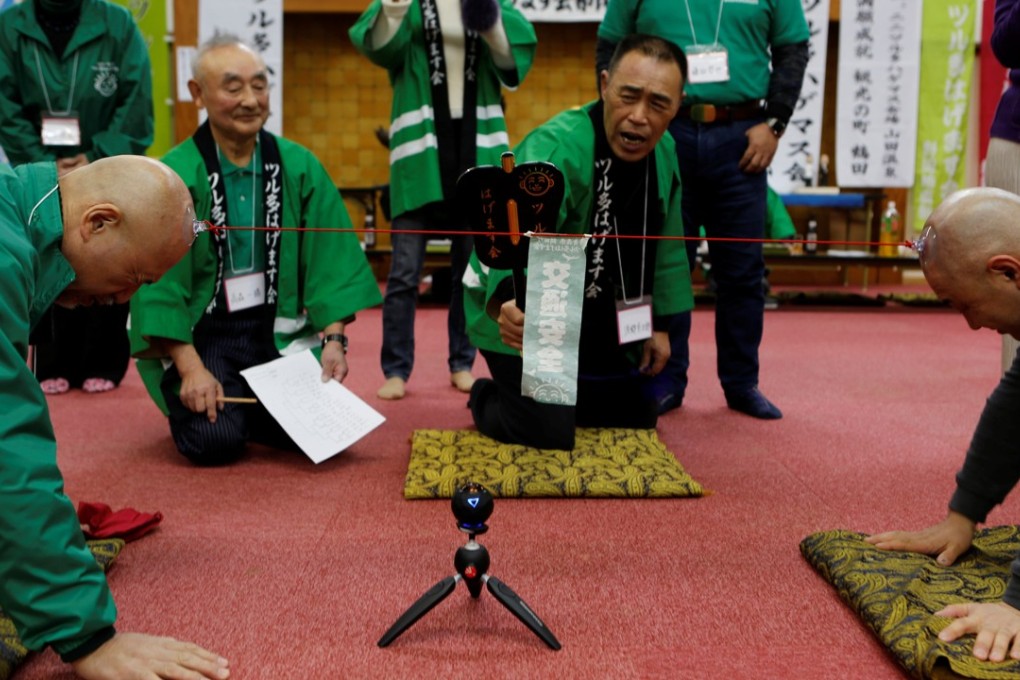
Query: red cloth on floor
{"points": [[99, 521]]}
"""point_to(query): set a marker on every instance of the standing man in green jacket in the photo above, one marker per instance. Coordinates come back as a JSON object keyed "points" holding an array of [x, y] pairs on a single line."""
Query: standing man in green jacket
{"points": [[91, 237], [446, 60], [747, 61], [621, 179], [244, 297], [75, 86]]}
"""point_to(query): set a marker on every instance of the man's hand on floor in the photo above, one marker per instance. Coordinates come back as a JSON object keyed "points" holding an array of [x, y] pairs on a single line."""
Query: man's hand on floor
{"points": [[996, 624], [127, 656]]}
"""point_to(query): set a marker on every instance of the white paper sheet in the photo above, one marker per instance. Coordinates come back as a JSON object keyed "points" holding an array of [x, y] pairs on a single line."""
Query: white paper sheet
{"points": [[322, 418]]}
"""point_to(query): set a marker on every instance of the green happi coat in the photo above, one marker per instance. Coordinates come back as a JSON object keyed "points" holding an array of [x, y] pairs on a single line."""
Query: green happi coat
{"points": [[112, 88], [323, 276], [415, 179], [50, 584], [568, 142]]}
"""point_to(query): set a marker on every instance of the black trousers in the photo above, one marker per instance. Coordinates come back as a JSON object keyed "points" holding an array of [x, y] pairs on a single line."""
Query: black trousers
{"points": [[82, 343], [226, 346], [500, 412]]}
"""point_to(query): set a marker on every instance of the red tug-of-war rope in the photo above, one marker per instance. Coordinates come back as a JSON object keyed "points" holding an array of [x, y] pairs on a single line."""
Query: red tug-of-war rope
{"points": [[208, 226]]}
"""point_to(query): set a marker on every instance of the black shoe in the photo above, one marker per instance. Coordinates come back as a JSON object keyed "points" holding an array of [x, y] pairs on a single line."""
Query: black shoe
{"points": [[668, 402], [753, 403]]}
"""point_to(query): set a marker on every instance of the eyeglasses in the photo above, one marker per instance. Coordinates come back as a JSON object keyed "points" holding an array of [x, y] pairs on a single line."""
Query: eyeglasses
{"points": [[924, 246], [199, 226]]}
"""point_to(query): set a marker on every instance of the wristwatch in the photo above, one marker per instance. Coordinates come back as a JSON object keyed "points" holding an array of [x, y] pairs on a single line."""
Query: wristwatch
{"points": [[335, 337], [777, 126]]}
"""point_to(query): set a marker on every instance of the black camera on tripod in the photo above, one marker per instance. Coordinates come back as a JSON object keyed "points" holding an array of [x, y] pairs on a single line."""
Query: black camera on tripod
{"points": [[472, 504]]}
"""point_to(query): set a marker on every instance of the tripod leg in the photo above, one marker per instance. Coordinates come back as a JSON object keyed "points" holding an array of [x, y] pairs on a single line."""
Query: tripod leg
{"points": [[420, 608], [512, 601]]}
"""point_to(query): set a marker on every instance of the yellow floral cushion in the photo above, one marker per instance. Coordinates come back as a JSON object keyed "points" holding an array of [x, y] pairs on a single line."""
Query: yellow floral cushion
{"points": [[12, 652], [897, 594], [605, 462]]}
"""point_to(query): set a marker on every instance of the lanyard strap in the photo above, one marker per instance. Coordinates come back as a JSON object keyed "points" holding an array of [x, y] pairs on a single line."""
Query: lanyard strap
{"points": [[718, 22], [644, 242], [42, 83]]}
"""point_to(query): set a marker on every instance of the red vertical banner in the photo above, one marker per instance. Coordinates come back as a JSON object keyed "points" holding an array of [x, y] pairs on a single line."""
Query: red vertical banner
{"points": [[994, 78]]}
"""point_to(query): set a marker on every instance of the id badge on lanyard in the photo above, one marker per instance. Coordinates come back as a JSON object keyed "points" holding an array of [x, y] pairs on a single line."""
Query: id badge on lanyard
{"points": [[634, 319], [245, 292], [60, 129], [707, 64]]}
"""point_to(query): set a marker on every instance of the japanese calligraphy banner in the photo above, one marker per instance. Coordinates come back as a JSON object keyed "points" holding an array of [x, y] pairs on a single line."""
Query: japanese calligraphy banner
{"points": [[796, 159], [948, 56], [562, 10], [151, 19], [877, 92], [260, 24], [552, 324]]}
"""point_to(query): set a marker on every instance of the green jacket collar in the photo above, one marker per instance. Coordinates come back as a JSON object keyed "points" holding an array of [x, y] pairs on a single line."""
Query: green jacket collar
{"points": [[45, 230]]}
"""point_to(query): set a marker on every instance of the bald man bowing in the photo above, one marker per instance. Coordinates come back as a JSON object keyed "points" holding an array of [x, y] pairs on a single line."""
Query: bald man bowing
{"points": [[970, 255], [93, 238]]}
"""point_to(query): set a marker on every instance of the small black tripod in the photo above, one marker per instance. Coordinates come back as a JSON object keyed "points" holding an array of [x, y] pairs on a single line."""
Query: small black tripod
{"points": [[472, 505]]}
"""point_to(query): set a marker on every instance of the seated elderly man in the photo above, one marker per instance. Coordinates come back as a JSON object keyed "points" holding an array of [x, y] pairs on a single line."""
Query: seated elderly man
{"points": [[617, 144], [970, 255], [243, 297]]}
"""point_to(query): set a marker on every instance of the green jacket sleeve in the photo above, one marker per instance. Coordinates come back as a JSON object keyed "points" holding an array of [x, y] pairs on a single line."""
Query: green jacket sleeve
{"points": [[50, 585], [337, 279], [619, 21], [523, 40], [130, 130], [19, 136], [391, 55]]}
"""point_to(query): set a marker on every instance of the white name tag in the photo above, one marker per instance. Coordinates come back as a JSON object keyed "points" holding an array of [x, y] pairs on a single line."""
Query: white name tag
{"points": [[245, 292], [634, 319], [707, 64], [60, 131]]}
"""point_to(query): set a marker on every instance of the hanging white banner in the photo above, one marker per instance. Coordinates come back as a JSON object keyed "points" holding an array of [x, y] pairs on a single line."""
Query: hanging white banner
{"points": [[562, 10], [796, 160], [259, 23], [877, 92]]}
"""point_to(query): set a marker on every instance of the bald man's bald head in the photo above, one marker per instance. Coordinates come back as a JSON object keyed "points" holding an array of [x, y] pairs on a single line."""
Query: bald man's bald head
{"points": [[971, 257], [127, 220], [973, 225]]}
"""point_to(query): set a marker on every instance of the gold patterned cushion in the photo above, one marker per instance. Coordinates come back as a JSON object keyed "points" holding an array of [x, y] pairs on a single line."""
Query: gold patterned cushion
{"points": [[897, 593], [12, 652], [605, 462]]}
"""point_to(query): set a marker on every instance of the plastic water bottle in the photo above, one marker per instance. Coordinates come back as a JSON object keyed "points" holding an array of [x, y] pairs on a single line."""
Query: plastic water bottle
{"points": [[811, 246], [370, 228], [808, 174], [892, 232]]}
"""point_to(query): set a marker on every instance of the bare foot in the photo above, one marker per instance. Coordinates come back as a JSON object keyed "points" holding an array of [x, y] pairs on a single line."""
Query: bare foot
{"points": [[393, 388], [462, 380], [94, 385], [54, 386]]}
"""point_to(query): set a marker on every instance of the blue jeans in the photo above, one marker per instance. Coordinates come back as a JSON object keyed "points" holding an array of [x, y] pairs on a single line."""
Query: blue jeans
{"points": [[397, 356], [730, 203]]}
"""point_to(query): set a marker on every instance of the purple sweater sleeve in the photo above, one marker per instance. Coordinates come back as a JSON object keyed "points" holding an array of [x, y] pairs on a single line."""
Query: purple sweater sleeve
{"points": [[1006, 33], [992, 466]]}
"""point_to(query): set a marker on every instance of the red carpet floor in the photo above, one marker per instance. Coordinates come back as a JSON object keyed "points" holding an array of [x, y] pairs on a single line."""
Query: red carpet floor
{"points": [[293, 570]]}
